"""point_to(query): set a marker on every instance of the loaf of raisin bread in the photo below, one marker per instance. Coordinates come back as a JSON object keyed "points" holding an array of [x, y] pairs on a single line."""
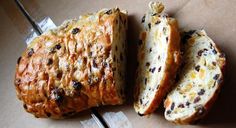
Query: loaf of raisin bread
{"points": [[199, 80], [79, 65], [158, 59]]}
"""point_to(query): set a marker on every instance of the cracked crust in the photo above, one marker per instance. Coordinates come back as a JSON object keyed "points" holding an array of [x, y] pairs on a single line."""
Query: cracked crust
{"points": [[199, 83], [158, 58], [79, 65]]}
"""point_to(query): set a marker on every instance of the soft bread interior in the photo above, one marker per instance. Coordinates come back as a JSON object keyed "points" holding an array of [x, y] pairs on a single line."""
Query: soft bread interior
{"points": [[198, 80]]}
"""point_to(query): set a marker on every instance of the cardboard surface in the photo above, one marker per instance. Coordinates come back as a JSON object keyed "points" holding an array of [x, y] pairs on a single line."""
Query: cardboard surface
{"points": [[217, 17]]}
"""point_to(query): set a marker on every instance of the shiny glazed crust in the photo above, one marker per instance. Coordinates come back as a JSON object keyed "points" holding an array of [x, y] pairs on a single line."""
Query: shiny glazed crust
{"points": [[79, 65]]}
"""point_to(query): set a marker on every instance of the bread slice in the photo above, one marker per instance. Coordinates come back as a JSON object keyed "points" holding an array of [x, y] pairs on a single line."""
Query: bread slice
{"points": [[158, 58], [79, 65], [199, 79]]}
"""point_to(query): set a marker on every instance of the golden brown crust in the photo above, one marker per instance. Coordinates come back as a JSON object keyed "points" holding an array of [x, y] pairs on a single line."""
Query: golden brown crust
{"points": [[70, 69]]}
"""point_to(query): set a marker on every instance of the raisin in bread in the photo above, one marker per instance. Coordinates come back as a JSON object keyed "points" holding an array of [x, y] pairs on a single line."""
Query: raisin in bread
{"points": [[79, 65], [199, 80], [158, 58]]}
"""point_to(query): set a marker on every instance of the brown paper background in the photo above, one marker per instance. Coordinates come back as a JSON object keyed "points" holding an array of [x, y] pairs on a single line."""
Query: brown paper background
{"points": [[217, 17]]}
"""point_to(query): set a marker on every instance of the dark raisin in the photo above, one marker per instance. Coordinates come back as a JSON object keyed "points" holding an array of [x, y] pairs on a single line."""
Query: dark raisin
{"points": [[166, 39], [140, 42], [172, 106], [150, 50], [168, 112], [31, 52], [214, 84], [214, 63], [141, 101], [150, 69], [222, 55], [145, 81], [159, 57], [199, 53], [159, 69], [50, 61], [154, 14], [75, 31], [158, 22], [197, 99], [90, 54], [219, 81], [114, 58], [58, 46], [76, 85], [146, 103], [59, 75], [18, 60], [200, 110], [181, 106], [198, 34], [216, 76], [95, 64], [201, 92], [153, 69], [105, 64], [48, 114], [164, 30], [197, 68], [25, 106], [214, 51], [211, 46], [140, 114], [121, 57], [149, 26], [143, 19], [147, 64], [187, 103], [108, 12], [58, 95]]}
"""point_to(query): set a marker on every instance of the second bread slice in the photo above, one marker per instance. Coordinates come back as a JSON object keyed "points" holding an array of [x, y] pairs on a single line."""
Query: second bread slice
{"points": [[158, 58], [199, 80]]}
